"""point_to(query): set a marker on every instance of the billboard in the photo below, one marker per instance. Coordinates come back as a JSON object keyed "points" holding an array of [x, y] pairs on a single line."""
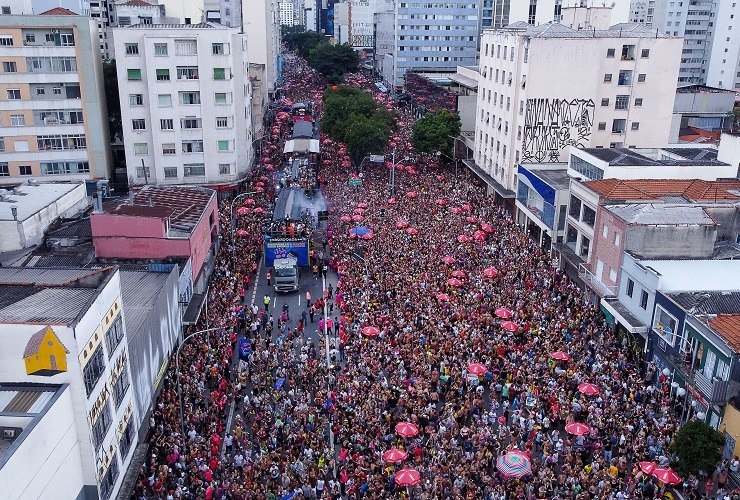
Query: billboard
{"points": [[279, 248]]}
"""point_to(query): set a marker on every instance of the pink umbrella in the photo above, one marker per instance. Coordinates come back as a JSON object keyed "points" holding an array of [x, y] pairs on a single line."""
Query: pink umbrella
{"points": [[362, 205], [358, 218], [259, 184], [394, 455], [441, 202], [346, 218], [249, 202], [370, 331], [588, 389], [259, 210], [259, 189], [667, 475], [407, 429], [472, 219], [401, 224], [560, 356], [368, 236], [459, 274], [448, 259], [242, 210], [509, 326], [463, 238], [407, 477], [442, 297], [411, 194], [577, 429], [490, 272], [648, 467], [479, 236], [467, 207], [412, 231], [358, 211], [477, 369], [454, 282], [504, 313], [487, 227], [392, 201], [242, 233]]}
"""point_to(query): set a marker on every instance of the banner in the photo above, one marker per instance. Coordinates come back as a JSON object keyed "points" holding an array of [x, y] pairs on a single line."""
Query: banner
{"points": [[245, 349], [281, 248]]}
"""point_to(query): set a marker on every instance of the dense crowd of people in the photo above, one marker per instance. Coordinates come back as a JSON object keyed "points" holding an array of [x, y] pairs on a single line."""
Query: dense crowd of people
{"points": [[446, 279]]}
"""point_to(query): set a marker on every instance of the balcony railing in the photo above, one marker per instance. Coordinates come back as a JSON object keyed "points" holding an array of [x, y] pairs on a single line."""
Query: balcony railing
{"points": [[715, 390], [591, 280]]}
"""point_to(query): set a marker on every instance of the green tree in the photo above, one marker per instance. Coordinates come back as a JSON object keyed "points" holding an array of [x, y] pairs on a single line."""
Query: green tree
{"points": [[113, 104], [436, 132], [302, 43], [333, 61], [365, 135], [696, 447], [289, 30]]}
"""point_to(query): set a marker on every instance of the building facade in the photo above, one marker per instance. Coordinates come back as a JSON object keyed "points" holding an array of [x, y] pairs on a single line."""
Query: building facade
{"points": [[200, 130], [262, 27], [723, 69], [52, 102], [500, 13], [533, 102]]}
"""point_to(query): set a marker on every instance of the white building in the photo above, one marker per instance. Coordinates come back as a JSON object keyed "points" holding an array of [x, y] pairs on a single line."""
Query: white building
{"points": [[311, 15], [287, 14], [198, 131], [500, 13], [356, 18], [226, 12], [53, 123], [131, 12], [548, 87], [66, 326], [723, 69]]}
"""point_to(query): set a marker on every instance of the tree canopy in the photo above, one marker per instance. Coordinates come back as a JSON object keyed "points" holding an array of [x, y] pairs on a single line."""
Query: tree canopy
{"points": [[436, 132], [353, 117], [333, 61], [303, 42], [696, 447]]}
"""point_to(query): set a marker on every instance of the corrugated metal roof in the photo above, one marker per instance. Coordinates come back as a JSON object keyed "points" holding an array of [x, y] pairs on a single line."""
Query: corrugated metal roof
{"points": [[43, 276], [708, 302], [75, 229], [139, 292], [647, 213], [24, 401], [49, 306]]}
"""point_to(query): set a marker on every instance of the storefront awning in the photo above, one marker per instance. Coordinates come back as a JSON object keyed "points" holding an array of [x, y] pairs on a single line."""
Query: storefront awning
{"points": [[192, 313], [485, 177], [624, 317]]}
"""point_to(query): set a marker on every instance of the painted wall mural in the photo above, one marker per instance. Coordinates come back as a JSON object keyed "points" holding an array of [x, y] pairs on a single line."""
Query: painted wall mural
{"points": [[552, 124]]}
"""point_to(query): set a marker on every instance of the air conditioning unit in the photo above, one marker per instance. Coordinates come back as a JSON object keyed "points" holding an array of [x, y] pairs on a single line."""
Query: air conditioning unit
{"points": [[10, 433]]}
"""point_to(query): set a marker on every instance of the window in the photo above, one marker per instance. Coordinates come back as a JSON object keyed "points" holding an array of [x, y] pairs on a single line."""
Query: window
{"points": [[644, 300], [224, 145], [664, 324], [6, 40], [40, 91], [30, 38], [219, 73], [132, 49], [2, 144], [166, 124], [170, 172], [628, 52], [168, 148], [630, 287], [25, 170], [575, 207], [604, 101], [94, 369], [141, 148], [638, 101], [160, 49], [645, 53], [222, 122], [224, 168], [142, 172], [187, 72], [136, 99], [617, 239], [625, 77], [217, 49], [641, 78], [220, 98], [610, 52], [163, 75], [164, 100], [102, 424], [10, 67], [194, 169], [618, 126], [589, 215], [138, 124], [114, 335], [602, 126], [127, 439], [607, 78], [190, 122], [186, 47], [635, 126], [190, 97], [4, 171], [13, 94], [17, 120], [120, 387], [109, 480], [192, 146], [622, 102], [133, 74]]}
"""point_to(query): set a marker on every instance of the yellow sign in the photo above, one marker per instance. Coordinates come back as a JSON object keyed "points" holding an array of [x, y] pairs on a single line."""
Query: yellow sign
{"points": [[45, 355]]}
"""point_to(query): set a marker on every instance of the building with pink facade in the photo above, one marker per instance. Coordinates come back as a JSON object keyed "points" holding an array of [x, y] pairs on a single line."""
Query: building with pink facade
{"points": [[159, 223]]}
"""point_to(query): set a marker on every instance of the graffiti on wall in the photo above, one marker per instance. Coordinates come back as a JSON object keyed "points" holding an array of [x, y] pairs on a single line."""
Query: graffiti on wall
{"points": [[552, 124]]}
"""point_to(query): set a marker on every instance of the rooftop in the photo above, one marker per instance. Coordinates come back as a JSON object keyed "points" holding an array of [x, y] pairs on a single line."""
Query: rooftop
{"points": [[137, 3], [183, 206], [708, 302], [557, 30], [671, 214], [624, 157], [656, 190], [48, 296], [696, 275], [205, 25], [139, 291], [697, 89], [30, 199], [556, 178], [58, 11], [694, 153], [728, 326]]}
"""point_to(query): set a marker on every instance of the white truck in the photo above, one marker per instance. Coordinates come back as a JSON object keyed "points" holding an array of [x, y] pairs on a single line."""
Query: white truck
{"points": [[286, 274]]}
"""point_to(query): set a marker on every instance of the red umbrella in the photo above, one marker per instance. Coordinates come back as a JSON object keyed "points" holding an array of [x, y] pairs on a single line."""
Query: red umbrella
{"points": [[358, 211], [411, 194], [448, 259], [455, 210], [242, 210], [401, 224], [259, 184], [504, 313], [441, 202], [487, 227], [509, 326], [560, 356], [412, 231], [588, 389], [249, 202], [463, 238], [259, 189], [358, 218], [443, 297], [395, 455], [577, 429], [459, 274], [392, 201], [477, 369], [479, 236], [407, 477], [490, 272], [345, 218], [472, 219], [242, 232], [407, 429], [667, 475], [362, 205], [467, 207], [648, 467], [259, 210], [371, 331], [368, 236], [454, 282]]}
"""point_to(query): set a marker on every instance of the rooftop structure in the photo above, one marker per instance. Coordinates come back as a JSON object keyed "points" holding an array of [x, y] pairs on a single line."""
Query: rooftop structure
{"points": [[657, 190], [695, 275], [728, 326], [650, 214]]}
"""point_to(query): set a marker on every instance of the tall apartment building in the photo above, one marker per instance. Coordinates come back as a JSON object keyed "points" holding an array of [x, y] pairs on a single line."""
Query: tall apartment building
{"points": [[354, 21], [548, 87], [500, 13], [287, 14], [226, 12], [440, 37], [185, 103], [262, 27], [52, 102], [724, 62]]}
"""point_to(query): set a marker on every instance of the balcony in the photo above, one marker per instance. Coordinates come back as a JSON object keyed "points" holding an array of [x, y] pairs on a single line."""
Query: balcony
{"points": [[595, 283], [714, 390]]}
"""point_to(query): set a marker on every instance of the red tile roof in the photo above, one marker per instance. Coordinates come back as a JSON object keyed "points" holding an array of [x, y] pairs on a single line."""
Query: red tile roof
{"points": [[58, 11], [694, 190], [138, 3], [728, 326]]}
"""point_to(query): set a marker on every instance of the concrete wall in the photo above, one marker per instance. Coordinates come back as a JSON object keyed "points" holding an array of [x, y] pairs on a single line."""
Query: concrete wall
{"points": [[727, 219], [686, 242], [729, 151], [53, 450], [644, 279], [704, 102], [466, 107]]}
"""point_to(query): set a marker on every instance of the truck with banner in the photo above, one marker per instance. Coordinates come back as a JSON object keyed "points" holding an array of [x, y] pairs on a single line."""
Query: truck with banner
{"points": [[283, 248]]}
